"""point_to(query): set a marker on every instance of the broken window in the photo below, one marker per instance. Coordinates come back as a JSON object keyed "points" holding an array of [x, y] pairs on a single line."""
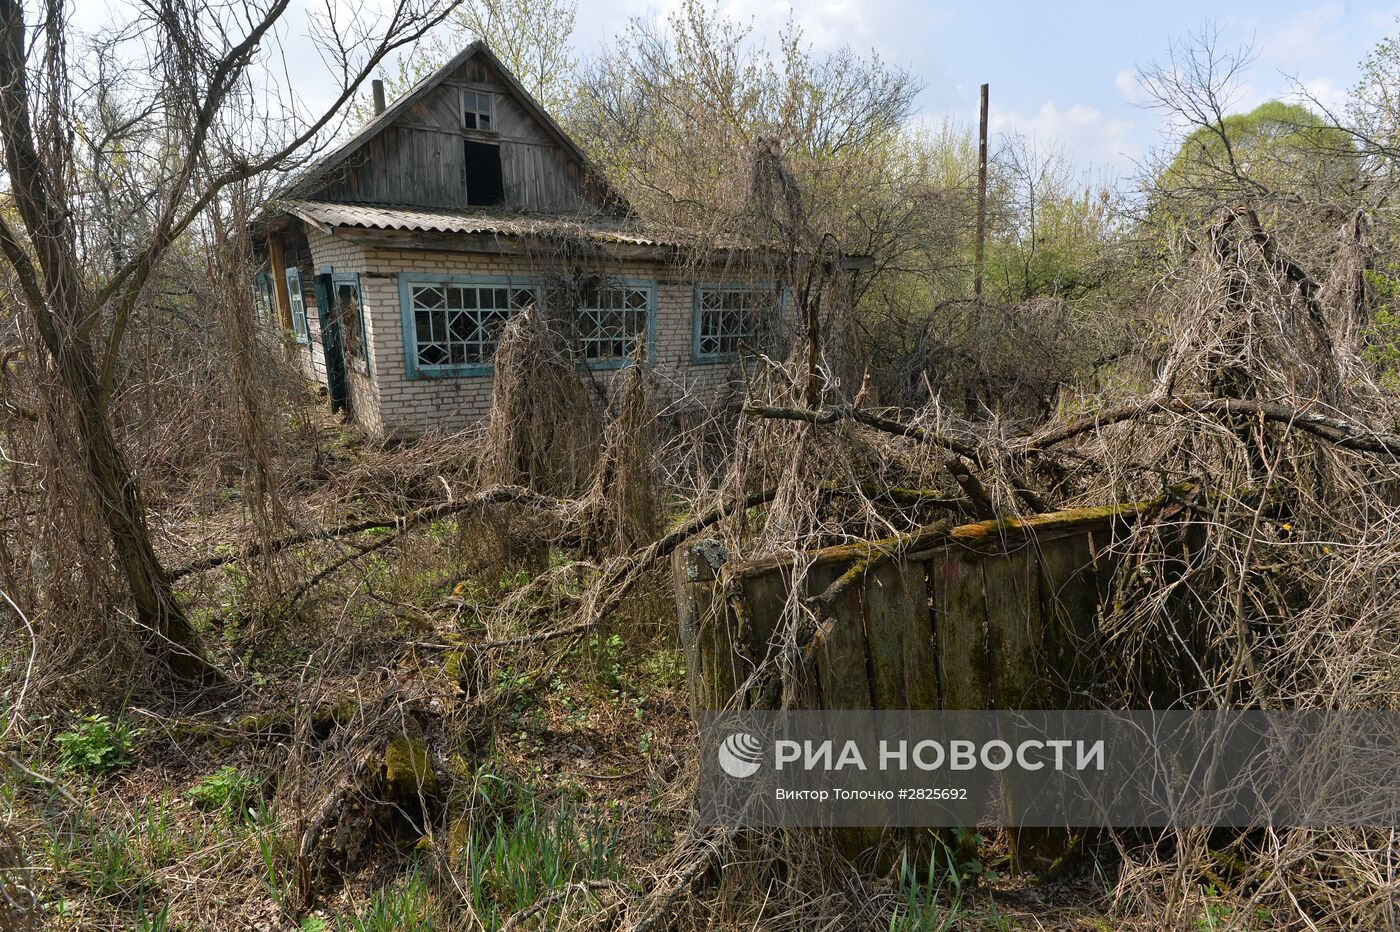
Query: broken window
{"points": [[297, 300], [476, 110], [263, 298], [483, 160], [350, 312], [458, 324], [612, 321], [726, 318]]}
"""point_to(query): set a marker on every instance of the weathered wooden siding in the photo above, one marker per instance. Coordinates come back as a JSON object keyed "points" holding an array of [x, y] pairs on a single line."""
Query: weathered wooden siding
{"points": [[993, 615], [419, 160]]}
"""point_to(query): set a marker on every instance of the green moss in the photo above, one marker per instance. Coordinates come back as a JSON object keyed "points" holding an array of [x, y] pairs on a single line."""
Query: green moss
{"points": [[464, 667], [408, 769], [453, 663], [260, 722], [334, 714], [981, 536]]}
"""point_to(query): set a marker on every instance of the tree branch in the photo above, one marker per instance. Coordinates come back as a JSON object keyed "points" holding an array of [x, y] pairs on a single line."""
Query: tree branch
{"points": [[1339, 431], [832, 415], [498, 495]]}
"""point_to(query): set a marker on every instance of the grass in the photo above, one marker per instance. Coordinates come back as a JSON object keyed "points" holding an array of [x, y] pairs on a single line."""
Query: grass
{"points": [[512, 864], [161, 838], [403, 906], [274, 858], [505, 866], [102, 865], [935, 894]]}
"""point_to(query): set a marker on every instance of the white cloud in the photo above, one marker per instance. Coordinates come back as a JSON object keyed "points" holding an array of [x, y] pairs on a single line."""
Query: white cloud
{"points": [[827, 24], [1088, 135], [1127, 83], [1305, 37], [1384, 20], [1324, 91]]}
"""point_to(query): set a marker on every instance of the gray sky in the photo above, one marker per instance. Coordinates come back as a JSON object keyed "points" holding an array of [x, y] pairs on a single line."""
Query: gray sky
{"points": [[1061, 72]]}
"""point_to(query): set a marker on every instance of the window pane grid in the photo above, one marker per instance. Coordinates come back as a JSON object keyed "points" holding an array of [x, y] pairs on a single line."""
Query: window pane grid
{"points": [[476, 110], [612, 324], [297, 302], [460, 325], [726, 319]]}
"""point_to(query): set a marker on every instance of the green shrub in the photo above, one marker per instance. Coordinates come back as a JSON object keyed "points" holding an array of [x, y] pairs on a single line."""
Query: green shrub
{"points": [[1382, 339], [228, 789], [96, 745]]}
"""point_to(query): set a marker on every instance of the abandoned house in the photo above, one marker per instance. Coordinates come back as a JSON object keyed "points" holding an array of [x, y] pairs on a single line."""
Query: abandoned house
{"points": [[395, 260]]}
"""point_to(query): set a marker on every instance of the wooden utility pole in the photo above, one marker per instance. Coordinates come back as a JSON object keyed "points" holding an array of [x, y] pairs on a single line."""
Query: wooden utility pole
{"points": [[981, 197]]}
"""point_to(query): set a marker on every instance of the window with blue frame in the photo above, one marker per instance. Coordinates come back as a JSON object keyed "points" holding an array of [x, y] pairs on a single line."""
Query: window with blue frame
{"points": [[297, 300], [454, 324], [263, 299], [727, 317], [351, 314], [613, 321]]}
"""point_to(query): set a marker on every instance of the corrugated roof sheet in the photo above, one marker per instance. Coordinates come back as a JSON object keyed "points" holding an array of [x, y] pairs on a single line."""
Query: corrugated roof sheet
{"points": [[329, 214]]}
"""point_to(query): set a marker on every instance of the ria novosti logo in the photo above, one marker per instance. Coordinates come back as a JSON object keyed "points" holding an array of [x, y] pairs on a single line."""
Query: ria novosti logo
{"points": [[740, 755]]}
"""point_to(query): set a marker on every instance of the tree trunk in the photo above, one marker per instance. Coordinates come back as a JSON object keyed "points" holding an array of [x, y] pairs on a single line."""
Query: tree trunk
{"points": [[54, 285], [167, 632]]}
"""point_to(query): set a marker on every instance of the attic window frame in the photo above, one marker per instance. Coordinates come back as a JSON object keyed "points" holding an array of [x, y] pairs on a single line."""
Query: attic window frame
{"points": [[476, 113]]}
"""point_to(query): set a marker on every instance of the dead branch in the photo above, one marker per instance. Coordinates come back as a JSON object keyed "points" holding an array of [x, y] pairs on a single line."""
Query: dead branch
{"points": [[623, 574], [564, 893], [496, 495], [832, 415], [50, 782], [1338, 431], [971, 485], [661, 903]]}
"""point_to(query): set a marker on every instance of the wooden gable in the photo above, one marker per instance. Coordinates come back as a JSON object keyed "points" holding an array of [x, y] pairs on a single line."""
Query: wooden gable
{"points": [[424, 156]]}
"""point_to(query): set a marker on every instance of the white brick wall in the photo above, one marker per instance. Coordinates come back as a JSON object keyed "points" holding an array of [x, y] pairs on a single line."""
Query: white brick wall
{"points": [[344, 256], [396, 405]]}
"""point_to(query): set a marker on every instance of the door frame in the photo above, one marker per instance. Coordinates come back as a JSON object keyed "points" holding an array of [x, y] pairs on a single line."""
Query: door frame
{"points": [[332, 343]]}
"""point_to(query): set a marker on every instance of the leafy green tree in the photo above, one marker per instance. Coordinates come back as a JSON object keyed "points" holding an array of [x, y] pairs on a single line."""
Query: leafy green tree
{"points": [[1373, 107], [533, 38], [1277, 149]]}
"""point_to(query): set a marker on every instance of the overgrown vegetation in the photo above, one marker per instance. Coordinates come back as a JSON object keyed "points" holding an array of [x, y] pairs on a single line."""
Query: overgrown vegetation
{"points": [[261, 670]]}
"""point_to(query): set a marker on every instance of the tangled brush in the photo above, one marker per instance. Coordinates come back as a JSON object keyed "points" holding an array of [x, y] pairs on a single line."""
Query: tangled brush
{"points": [[1267, 581], [624, 503], [544, 432]]}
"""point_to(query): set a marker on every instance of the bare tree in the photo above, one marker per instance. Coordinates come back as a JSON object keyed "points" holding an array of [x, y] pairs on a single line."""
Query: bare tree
{"points": [[195, 124], [533, 38]]}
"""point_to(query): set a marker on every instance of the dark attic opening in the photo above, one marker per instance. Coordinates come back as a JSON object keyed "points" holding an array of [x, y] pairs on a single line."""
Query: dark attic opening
{"points": [[483, 161]]}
